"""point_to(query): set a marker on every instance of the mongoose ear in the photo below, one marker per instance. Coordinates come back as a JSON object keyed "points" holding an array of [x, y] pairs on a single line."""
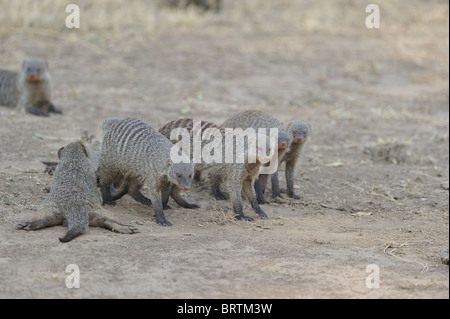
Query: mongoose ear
{"points": [[60, 151], [84, 150], [169, 162]]}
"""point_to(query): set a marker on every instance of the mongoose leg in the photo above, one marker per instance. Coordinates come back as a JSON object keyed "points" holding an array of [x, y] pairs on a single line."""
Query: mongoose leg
{"points": [[49, 221], [180, 200], [235, 196], [249, 192], [139, 197], [165, 195], [275, 185], [215, 185], [123, 190], [107, 197], [156, 199], [260, 188], [290, 179], [99, 220], [35, 111], [105, 188]]}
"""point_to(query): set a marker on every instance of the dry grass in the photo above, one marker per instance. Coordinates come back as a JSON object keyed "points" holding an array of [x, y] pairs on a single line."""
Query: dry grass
{"points": [[115, 17]]}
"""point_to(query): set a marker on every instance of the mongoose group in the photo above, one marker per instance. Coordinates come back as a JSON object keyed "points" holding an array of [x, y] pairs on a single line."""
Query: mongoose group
{"points": [[133, 154]]}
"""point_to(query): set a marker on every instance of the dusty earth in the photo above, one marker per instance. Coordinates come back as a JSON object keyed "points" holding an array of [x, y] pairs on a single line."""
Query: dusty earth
{"points": [[374, 179]]}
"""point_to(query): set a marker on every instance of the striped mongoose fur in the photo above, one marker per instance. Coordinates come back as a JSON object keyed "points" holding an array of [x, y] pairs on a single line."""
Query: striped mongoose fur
{"points": [[29, 90], [260, 120], [239, 177], [133, 151], [74, 197], [298, 134]]}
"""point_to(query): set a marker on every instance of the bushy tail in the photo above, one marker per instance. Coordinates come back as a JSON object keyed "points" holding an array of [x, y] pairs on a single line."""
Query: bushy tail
{"points": [[78, 222]]}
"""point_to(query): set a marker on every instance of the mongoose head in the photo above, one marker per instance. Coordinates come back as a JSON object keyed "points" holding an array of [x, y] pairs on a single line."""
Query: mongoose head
{"points": [[300, 131], [181, 174], [34, 70], [284, 139], [263, 146], [72, 150]]}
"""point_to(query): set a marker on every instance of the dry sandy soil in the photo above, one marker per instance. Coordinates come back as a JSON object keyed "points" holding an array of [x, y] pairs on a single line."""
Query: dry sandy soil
{"points": [[374, 180]]}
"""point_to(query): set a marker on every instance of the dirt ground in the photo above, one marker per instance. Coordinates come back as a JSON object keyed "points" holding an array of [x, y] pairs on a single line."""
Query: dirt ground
{"points": [[374, 179]]}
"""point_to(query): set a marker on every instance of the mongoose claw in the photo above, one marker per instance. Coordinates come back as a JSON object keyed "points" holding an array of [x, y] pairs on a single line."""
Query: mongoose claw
{"points": [[163, 223], [277, 196], [110, 203], [262, 201], [129, 229], [294, 196], [245, 218], [263, 215]]}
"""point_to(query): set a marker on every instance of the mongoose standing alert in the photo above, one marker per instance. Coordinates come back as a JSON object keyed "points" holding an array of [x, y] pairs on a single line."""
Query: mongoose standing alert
{"points": [[301, 133], [238, 176], [29, 90], [75, 197], [135, 152], [260, 120]]}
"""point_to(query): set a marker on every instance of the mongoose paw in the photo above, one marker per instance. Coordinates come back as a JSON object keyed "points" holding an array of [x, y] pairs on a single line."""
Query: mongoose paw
{"points": [[24, 226], [245, 218], [35, 111], [126, 229], [262, 201], [192, 206], [294, 196], [109, 203], [56, 111], [263, 215], [167, 207], [277, 196], [163, 222]]}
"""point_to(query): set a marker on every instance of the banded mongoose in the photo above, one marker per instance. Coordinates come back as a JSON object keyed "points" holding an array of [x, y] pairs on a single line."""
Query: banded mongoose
{"points": [[74, 197], [29, 90], [134, 151], [239, 177], [125, 185], [301, 133], [261, 120]]}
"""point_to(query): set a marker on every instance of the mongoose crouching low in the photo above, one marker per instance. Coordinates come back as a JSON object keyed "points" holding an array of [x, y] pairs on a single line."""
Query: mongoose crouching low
{"points": [[29, 90], [133, 151], [74, 197], [260, 120], [238, 176]]}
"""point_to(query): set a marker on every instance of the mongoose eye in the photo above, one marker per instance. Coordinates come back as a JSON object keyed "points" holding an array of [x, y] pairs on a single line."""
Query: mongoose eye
{"points": [[178, 175], [190, 176]]}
